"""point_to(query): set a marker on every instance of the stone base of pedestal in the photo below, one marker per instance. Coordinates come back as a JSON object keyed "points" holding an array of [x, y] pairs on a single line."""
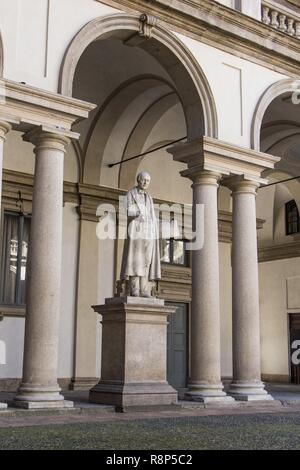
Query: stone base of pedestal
{"points": [[134, 349], [249, 392], [42, 405], [3, 406], [133, 394]]}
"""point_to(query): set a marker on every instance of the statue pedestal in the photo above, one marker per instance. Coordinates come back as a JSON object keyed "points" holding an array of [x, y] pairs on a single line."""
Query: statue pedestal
{"points": [[134, 350]]}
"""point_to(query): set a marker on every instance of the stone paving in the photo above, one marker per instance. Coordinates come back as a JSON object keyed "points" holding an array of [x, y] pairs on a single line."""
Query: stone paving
{"points": [[286, 400]]}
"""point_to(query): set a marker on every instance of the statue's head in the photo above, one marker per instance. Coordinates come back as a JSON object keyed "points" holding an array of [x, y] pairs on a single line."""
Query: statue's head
{"points": [[143, 180]]}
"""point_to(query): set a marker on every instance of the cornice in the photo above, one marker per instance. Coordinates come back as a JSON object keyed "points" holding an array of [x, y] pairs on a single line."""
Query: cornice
{"points": [[279, 251], [224, 28], [26, 107], [15, 181]]}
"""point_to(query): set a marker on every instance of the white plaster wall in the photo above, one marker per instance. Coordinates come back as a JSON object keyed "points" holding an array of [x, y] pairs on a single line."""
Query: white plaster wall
{"points": [[224, 199], [227, 3], [235, 87], [12, 333], [166, 182], [106, 281], [34, 56], [36, 34], [274, 313], [19, 156], [68, 290], [265, 211], [226, 309]]}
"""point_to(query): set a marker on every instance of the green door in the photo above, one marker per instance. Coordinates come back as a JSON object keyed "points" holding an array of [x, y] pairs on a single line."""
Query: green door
{"points": [[294, 347], [177, 346]]}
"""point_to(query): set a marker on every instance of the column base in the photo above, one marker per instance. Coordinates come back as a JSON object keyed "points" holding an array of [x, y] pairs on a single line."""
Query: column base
{"points": [[249, 392], [38, 405], [133, 394], [31, 397], [208, 394]]}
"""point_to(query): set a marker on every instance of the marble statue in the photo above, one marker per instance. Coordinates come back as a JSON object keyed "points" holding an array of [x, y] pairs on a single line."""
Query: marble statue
{"points": [[141, 257]]}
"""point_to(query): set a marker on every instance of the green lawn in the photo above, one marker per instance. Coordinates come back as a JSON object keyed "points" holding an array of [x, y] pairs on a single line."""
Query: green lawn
{"points": [[262, 431]]}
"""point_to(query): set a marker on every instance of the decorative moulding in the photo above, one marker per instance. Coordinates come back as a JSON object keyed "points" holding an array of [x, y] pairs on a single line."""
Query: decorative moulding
{"points": [[221, 157], [224, 28], [26, 107]]}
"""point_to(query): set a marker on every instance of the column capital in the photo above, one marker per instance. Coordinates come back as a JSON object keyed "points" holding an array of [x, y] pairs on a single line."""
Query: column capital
{"points": [[240, 185], [223, 157], [5, 127], [203, 177], [49, 137]]}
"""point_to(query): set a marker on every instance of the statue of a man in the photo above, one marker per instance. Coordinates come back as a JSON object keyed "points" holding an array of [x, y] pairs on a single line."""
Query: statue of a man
{"points": [[141, 258]]}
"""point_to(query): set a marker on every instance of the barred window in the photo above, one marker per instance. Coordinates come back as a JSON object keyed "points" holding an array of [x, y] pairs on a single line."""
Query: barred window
{"points": [[15, 241], [292, 218], [173, 251]]}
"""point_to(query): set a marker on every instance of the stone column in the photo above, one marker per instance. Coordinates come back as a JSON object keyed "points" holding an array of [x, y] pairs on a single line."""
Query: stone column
{"points": [[4, 128], [39, 387], [246, 383], [205, 383]]}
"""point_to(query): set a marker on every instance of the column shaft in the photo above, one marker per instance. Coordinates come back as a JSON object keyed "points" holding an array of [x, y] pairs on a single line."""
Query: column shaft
{"points": [[205, 384], [4, 128], [39, 386], [247, 383]]}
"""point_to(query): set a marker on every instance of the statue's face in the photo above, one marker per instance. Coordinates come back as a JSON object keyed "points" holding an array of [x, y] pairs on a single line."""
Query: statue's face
{"points": [[144, 181]]}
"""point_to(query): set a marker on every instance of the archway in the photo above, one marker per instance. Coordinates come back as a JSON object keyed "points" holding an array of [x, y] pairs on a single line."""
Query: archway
{"points": [[178, 80], [276, 130], [104, 27], [278, 89]]}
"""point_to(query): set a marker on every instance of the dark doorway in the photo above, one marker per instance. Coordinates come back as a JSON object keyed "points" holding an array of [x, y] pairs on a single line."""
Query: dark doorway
{"points": [[177, 346], [295, 347]]}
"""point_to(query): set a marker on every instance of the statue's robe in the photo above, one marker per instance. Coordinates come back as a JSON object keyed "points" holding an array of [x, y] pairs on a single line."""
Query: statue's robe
{"points": [[141, 255]]}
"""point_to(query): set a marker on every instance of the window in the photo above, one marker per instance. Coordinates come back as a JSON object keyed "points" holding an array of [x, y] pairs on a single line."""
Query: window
{"points": [[292, 218], [16, 227], [173, 251]]}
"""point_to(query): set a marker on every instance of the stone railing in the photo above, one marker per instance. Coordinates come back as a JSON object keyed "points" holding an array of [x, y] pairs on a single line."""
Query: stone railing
{"points": [[281, 18]]}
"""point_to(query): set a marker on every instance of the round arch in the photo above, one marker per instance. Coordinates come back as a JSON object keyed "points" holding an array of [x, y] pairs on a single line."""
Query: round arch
{"points": [[279, 88], [104, 27]]}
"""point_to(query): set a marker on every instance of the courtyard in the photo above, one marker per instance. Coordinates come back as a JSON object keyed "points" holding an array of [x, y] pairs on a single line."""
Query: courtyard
{"points": [[241, 426]]}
